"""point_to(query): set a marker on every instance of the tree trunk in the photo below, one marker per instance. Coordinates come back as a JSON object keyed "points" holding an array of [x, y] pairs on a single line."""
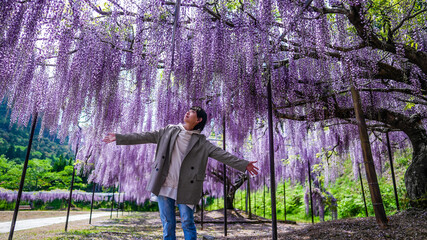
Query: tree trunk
{"points": [[416, 180], [230, 198], [416, 174], [231, 186]]}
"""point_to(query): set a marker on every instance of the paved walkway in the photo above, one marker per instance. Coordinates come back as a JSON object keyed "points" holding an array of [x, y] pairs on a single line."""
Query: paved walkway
{"points": [[41, 222]]}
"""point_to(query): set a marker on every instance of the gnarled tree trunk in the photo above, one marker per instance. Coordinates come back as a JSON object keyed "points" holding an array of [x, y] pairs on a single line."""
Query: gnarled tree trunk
{"points": [[416, 174], [231, 187]]}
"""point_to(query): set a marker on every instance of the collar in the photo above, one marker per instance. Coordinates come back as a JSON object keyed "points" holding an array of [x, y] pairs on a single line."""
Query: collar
{"points": [[181, 127]]}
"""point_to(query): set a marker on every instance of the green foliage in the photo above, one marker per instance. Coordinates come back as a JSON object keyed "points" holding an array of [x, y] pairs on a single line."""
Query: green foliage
{"points": [[409, 106], [48, 165], [385, 15], [346, 190], [5, 205]]}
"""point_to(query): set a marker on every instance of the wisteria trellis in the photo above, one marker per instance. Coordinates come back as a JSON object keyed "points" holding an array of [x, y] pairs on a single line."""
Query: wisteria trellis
{"points": [[49, 196], [106, 65]]}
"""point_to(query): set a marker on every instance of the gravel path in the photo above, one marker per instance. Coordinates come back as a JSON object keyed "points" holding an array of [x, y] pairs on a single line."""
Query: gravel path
{"points": [[41, 222]]}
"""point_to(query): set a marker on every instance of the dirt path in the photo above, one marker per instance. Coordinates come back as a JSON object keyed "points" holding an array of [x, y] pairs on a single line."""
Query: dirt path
{"points": [[146, 225], [51, 231], [41, 222]]}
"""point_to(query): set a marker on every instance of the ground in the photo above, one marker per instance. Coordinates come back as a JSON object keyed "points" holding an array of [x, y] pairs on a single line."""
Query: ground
{"points": [[411, 224]]}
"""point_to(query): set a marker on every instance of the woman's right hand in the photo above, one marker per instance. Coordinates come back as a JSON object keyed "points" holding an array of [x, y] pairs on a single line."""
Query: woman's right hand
{"points": [[111, 137]]}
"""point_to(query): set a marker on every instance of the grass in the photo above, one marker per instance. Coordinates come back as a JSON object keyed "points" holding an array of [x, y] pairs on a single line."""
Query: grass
{"points": [[346, 189]]}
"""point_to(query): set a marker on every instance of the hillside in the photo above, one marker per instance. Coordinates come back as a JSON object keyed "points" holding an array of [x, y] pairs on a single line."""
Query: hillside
{"points": [[14, 141], [50, 163]]}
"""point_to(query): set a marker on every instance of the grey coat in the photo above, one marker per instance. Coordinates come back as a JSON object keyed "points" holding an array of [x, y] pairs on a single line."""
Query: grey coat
{"points": [[193, 167]]}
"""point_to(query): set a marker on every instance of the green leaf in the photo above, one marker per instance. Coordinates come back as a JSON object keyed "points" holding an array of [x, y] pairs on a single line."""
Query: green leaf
{"points": [[409, 106]]}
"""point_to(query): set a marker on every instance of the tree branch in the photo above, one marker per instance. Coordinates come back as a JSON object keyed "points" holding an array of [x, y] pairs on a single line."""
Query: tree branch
{"points": [[408, 17], [99, 10], [325, 10], [414, 56]]}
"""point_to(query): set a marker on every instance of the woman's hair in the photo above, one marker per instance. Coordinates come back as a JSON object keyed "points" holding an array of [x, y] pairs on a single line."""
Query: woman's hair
{"points": [[200, 114]]}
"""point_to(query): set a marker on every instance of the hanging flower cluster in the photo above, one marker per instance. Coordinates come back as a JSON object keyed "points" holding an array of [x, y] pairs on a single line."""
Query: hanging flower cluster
{"points": [[108, 68], [49, 196]]}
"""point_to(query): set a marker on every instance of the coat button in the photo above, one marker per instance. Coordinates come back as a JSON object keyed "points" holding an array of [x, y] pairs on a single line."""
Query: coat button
{"points": [[157, 169], [163, 157], [192, 168], [191, 181]]}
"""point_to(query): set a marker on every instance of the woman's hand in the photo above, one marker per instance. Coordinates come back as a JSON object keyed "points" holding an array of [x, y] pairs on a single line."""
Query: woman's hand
{"points": [[252, 169], [111, 137]]}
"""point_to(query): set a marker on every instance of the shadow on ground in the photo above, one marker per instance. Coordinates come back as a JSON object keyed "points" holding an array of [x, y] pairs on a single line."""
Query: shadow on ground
{"points": [[410, 224]]}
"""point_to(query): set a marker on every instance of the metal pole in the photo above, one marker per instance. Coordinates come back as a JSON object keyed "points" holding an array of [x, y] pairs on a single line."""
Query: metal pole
{"points": [[201, 214], [311, 194], [225, 179], [234, 200], [284, 196], [118, 201], [24, 171], [241, 199], [248, 195], [363, 191], [371, 175], [271, 150], [69, 199], [112, 204], [71, 187], [263, 198], [91, 204], [175, 24], [255, 206], [123, 207], [390, 156]]}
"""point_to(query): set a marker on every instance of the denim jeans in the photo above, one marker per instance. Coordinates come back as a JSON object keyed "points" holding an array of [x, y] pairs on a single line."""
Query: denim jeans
{"points": [[167, 215]]}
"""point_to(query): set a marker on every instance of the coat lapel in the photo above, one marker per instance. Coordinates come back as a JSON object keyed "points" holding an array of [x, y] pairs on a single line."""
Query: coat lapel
{"points": [[193, 140], [172, 141]]}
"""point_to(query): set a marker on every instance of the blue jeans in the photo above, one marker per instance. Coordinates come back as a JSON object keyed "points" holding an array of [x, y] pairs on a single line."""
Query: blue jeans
{"points": [[167, 215]]}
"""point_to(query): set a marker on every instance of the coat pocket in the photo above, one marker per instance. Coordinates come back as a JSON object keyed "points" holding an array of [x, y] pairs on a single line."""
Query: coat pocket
{"points": [[154, 165]]}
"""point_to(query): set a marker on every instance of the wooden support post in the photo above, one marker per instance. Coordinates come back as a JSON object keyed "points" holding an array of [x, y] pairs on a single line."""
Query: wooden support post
{"points": [[390, 156], [24, 172], [369, 162]]}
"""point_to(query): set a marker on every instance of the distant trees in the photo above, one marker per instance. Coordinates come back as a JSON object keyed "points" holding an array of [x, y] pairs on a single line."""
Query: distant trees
{"points": [[42, 174], [10, 152]]}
